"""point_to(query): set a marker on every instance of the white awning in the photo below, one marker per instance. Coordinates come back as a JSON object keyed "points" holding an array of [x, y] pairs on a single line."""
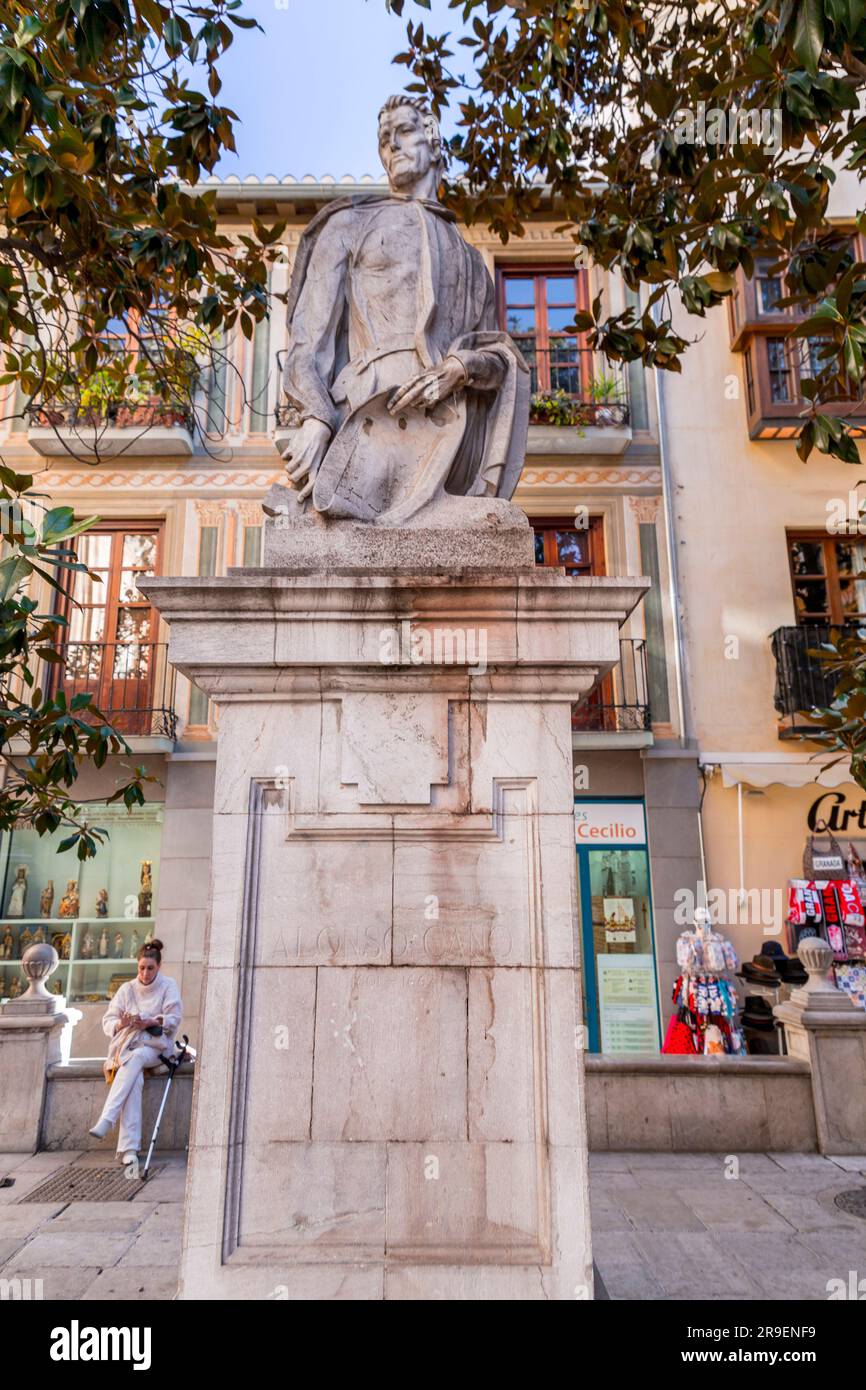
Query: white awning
{"points": [[784, 774]]}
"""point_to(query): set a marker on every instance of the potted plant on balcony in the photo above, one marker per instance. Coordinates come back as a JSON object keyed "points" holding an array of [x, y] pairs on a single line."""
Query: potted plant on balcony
{"points": [[556, 408], [98, 402], [605, 394]]}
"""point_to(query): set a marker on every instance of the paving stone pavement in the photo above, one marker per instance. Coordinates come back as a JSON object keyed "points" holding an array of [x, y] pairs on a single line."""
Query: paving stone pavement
{"points": [[92, 1250], [665, 1226], [706, 1226]]}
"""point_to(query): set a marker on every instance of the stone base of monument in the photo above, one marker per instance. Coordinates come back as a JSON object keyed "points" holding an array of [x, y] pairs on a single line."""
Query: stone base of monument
{"points": [[389, 1095], [492, 534]]}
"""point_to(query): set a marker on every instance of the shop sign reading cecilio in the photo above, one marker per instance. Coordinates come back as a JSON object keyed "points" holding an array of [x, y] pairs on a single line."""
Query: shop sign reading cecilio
{"points": [[609, 823]]}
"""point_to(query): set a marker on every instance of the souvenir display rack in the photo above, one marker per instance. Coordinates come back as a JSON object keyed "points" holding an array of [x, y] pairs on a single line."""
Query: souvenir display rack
{"points": [[830, 902], [704, 1021]]}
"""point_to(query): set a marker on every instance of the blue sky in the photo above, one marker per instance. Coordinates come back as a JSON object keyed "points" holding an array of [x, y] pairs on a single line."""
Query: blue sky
{"points": [[307, 90]]}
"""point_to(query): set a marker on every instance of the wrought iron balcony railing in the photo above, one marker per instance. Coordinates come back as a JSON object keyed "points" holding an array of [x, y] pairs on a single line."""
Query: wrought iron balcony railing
{"points": [[620, 704], [802, 681], [570, 387], [113, 415], [132, 683]]}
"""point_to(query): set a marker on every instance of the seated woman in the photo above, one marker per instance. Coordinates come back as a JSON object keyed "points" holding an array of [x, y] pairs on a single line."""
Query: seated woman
{"points": [[141, 1022]]}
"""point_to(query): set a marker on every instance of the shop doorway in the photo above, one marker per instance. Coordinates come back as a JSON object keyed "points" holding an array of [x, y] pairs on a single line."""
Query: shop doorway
{"points": [[615, 901]]}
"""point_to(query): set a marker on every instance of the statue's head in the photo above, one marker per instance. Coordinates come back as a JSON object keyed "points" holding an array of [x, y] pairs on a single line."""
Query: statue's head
{"points": [[410, 145]]}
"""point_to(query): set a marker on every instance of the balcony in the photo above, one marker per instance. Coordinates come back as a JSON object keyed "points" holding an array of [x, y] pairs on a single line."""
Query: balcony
{"points": [[617, 712], [127, 431], [802, 682], [132, 683]]}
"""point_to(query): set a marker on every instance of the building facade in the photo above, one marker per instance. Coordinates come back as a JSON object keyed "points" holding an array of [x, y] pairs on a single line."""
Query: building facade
{"points": [[676, 480]]}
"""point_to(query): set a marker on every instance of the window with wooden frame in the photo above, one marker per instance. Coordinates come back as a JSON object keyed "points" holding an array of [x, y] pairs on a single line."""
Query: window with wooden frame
{"points": [[560, 542], [828, 578], [537, 304], [108, 647], [138, 337], [775, 363]]}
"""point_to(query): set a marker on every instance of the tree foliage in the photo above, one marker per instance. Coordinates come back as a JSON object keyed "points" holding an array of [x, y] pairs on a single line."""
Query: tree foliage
{"points": [[591, 98], [103, 133], [115, 286]]}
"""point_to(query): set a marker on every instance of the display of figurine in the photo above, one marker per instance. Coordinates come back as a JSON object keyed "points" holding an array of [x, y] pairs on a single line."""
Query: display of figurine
{"points": [[57, 987], [102, 903], [46, 899], [118, 945], [134, 944], [145, 896], [7, 949], [103, 945], [66, 946], [25, 940], [87, 945], [149, 937], [39, 936], [70, 903], [15, 987], [19, 893]]}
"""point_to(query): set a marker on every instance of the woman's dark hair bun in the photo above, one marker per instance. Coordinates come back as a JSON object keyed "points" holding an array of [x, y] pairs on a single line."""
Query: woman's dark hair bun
{"points": [[152, 948]]}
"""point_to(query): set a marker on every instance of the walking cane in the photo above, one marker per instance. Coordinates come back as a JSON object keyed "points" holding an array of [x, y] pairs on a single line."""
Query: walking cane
{"points": [[172, 1062]]}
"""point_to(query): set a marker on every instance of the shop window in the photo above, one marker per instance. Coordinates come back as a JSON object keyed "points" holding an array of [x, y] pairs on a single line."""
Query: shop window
{"points": [[619, 982], [95, 912], [537, 306], [108, 645], [828, 578]]}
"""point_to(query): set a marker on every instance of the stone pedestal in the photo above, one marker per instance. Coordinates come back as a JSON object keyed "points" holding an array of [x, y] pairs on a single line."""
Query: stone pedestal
{"points": [[33, 1034], [824, 1027], [389, 1098]]}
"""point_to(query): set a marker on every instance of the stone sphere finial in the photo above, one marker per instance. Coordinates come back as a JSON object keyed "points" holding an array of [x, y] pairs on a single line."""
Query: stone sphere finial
{"points": [[38, 963], [817, 957]]}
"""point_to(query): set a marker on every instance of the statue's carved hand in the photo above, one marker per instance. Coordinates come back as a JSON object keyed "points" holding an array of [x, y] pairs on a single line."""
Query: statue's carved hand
{"points": [[305, 453], [429, 387]]}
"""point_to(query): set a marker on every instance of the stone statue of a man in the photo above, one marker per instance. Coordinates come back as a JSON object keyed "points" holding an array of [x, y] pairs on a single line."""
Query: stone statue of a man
{"points": [[407, 398]]}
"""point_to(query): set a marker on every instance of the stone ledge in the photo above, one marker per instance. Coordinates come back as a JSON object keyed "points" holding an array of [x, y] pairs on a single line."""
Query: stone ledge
{"points": [[85, 1068], [697, 1066]]}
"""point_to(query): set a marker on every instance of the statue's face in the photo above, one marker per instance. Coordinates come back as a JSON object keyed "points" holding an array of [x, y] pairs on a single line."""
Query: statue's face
{"points": [[404, 146]]}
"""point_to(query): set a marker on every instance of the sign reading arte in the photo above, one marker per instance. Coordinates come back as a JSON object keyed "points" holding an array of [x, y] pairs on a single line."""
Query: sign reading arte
{"points": [[609, 822], [827, 813]]}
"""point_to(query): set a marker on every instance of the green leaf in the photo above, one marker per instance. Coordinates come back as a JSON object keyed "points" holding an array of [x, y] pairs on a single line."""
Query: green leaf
{"points": [[809, 34]]}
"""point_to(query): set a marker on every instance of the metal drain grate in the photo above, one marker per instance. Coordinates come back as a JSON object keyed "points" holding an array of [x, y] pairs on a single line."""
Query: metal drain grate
{"points": [[853, 1202], [82, 1184]]}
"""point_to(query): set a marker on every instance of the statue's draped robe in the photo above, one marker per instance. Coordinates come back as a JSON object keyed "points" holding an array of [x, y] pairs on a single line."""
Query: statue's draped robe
{"points": [[382, 289]]}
